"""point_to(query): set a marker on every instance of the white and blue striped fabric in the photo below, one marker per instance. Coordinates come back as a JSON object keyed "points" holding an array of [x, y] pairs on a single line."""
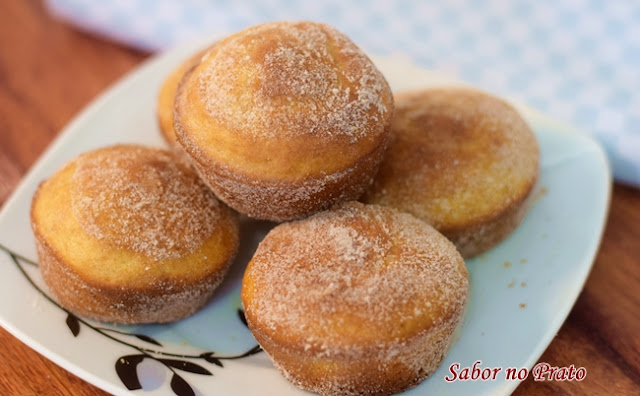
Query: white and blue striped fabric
{"points": [[575, 60]]}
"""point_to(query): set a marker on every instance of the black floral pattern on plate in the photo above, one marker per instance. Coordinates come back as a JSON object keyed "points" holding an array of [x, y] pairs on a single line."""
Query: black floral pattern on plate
{"points": [[126, 366]]}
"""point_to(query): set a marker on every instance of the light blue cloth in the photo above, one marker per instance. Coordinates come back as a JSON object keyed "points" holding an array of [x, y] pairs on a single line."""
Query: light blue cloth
{"points": [[575, 60]]}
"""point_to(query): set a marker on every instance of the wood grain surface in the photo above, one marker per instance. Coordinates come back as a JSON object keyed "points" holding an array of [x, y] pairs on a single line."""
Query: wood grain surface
{"points": [[50, 71]]}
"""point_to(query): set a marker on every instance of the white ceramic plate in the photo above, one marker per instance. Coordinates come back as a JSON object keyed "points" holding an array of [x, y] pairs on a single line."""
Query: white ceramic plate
{"points": [[521, 291]]}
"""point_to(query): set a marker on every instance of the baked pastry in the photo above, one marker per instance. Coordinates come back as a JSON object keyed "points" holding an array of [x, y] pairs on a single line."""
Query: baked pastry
{"points": [[284, 119], [358, 299], [129, 234], [463, 161], [167, 98]]}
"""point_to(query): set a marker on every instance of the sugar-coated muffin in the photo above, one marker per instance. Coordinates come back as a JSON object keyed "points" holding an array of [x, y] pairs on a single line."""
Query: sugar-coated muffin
{"points": [[463, 161], [359, 299], [167, 98], [129, 234], [284, 119]]}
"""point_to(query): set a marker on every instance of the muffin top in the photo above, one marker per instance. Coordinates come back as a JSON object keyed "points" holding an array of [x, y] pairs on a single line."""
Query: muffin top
{"points": [[353, 277], [284, 100]]}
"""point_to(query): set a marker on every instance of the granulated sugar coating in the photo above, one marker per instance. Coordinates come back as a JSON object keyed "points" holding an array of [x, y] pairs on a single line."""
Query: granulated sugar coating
{"points": [[461, 160], [166, 101], [360, 299], [143, 199], [129, 234], [284, 119], [292, 86]]}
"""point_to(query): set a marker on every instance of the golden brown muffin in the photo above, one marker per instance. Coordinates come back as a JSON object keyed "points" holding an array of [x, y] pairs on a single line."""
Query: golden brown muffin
{"points": [[359, 299], [284, 119], [129, 234], [463, 161], [167, 99]]}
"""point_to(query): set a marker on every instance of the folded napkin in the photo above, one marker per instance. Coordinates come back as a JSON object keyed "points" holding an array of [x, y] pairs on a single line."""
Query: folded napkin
{"points": [[577, 61]]}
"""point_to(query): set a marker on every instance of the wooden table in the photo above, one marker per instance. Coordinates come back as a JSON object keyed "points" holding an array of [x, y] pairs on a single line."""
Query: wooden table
{"points": [[49, 72]]}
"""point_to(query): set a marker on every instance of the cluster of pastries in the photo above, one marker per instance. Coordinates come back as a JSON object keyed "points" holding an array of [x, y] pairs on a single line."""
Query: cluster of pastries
{"points": [[291, 122]]}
